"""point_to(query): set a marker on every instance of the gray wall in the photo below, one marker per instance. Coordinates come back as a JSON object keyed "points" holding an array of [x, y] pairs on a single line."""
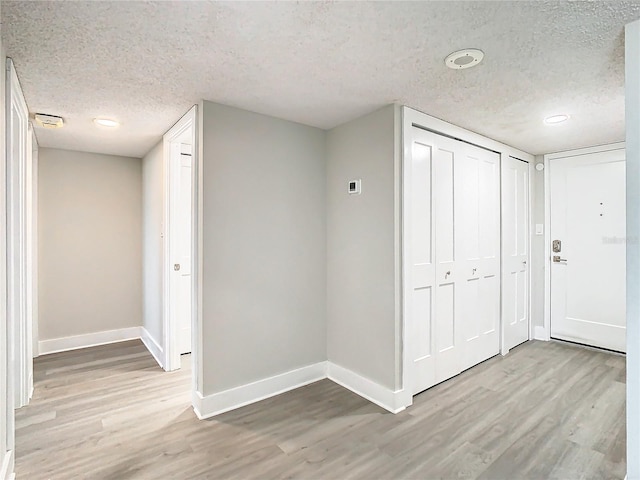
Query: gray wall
{"points": [[90, 243], [4, 398], [363, 309], [153, 242], [537, 248], [264, 258]]}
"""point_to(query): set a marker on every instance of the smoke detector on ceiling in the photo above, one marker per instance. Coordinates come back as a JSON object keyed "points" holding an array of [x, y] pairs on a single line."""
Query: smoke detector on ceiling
{"points": [[467, 58], [49, 121]]}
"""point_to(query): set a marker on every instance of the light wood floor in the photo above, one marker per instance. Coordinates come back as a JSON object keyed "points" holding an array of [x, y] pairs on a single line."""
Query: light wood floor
{"points": [[546, 410]]}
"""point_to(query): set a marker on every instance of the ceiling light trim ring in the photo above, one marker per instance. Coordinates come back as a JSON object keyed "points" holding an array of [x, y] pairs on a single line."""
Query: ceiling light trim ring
{"points": [[556, 119], [106, 122], [461, 59]]}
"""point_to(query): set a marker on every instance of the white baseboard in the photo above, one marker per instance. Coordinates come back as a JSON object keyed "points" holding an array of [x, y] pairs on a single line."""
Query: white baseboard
{"points": [[237, 397], [388, 399], [153, 347], [540, 333], [75, 342], [6, 466]]}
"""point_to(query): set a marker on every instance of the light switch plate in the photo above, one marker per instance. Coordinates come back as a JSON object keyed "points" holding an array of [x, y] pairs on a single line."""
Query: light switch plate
{"points": [[539, 229]]}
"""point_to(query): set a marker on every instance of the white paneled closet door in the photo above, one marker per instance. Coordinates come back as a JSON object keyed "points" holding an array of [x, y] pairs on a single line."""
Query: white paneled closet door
{"points": [[515, 251], [455, 257]]}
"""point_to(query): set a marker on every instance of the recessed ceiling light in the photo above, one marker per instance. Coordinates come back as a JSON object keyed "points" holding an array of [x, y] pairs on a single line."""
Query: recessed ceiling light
{"points": [[464, 58], [106, 122], [553, 119]]}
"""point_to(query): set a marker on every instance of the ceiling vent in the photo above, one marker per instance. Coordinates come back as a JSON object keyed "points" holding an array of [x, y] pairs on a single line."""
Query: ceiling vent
{"points": [[49, 121], [464, 58]]}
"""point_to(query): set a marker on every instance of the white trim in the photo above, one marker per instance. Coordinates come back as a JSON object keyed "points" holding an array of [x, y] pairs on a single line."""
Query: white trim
{"points": [[414, 117], [411, 118], [221, 402], [75, 342], [532, 233], [546, 323], [19, 232], [6, 466], [545, 331], [169, 341], [34, 249], [154, 348], [586, 151], [392, 401]]}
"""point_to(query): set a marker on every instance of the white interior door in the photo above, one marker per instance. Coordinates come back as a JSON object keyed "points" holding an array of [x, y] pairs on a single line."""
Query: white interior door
{"points": [[19, 241], [455, 257], [181, 239], [515, 251], [588, 228]]}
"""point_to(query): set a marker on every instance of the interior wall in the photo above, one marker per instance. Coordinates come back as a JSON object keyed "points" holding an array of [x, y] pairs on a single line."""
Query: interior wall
{"points": [[537, 248], [632, 113], [153, 241], [363, 263], [263, 246], [90, 243], [4, 396]]}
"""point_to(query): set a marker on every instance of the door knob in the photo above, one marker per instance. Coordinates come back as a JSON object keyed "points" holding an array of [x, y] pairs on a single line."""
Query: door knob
{"points": [[557, 259]]}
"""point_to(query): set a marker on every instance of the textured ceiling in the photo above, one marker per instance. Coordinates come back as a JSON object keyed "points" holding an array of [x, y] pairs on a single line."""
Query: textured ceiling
{"points": [[322, 64]]}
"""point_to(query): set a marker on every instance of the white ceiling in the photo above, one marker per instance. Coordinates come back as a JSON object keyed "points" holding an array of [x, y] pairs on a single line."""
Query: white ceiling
{"points": [[322, 64]]}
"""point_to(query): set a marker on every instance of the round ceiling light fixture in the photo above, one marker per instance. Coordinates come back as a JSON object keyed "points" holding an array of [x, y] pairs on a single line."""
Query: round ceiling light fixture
{"points": [[467, 58], [106, 122], [555, 119]]}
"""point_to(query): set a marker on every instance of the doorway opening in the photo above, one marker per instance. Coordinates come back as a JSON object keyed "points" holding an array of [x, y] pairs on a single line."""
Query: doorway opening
{"points": [[180, 246]]}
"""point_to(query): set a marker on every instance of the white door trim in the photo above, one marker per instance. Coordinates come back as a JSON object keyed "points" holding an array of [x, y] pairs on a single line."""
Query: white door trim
{"points": [[34, 246], [411, 118], [172, 355], [545, 332], [19, 235]]}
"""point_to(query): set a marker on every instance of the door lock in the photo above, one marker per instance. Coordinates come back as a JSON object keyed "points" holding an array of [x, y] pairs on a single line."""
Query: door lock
{"points": [[556, 246], [176, 267], [557, 259]]}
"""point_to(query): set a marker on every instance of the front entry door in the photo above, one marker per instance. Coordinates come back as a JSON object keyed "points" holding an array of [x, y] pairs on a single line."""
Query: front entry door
{"points": [[588, 253]]}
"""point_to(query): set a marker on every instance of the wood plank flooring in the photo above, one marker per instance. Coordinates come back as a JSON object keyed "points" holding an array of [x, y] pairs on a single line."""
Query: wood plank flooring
{"points": [[546, 410]]}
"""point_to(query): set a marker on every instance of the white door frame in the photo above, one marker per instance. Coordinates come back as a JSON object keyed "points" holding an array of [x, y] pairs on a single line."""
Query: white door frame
{"points": [[170, 323], [545, 334], [19, 243], [33, 178], [411, 118]]}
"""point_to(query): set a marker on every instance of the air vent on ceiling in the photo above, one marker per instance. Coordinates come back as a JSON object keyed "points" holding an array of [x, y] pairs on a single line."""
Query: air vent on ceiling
{"points": [[49, 121]]}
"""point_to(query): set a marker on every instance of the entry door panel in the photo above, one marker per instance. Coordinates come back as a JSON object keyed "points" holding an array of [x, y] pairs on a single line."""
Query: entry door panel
{"points": [[454, 231], [515, 251], [588, 216]]}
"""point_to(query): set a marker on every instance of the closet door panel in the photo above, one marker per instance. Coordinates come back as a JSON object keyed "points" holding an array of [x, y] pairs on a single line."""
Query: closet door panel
{"points": [[422, 262]]}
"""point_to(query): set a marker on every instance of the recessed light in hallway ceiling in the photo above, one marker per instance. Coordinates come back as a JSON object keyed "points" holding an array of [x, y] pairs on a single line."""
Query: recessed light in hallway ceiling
{"points": [[555, 119], [106, 122], [467, 58]]}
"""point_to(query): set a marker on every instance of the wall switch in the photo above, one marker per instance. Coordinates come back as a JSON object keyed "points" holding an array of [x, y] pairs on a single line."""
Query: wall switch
{"points": [[539, 229], [354, 187]]}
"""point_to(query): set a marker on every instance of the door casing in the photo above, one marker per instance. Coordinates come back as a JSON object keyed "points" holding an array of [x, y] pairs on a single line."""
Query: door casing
{"points": [[413, 118], [188, 124]]}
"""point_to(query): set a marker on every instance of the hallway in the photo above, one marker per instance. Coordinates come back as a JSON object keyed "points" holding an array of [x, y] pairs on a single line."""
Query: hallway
{"points": [[546, 410]]}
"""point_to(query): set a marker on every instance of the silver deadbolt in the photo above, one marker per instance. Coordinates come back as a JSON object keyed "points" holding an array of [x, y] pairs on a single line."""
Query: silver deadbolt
{"points": [[556, 246], [176, 266]]}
